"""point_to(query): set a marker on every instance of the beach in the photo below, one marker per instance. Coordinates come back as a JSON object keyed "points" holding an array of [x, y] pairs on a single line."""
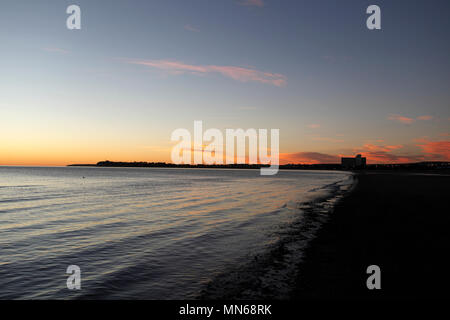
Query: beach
{"points": [[397, 221]]}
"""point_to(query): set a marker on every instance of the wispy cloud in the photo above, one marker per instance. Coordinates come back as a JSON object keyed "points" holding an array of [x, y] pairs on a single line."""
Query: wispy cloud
{"points": [[408, 120], [386, 154], [425, 118], [191, 28], [378, 148], [56, 50], [435, 150], [314, 125], [236, 73], [252, 3], [401, 119], [308, 158]]}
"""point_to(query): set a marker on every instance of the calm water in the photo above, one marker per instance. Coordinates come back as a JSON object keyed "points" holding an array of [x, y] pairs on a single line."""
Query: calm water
{"points": [[143, 233]]}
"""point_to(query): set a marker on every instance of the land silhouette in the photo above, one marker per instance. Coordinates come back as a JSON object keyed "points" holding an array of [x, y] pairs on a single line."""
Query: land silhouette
{"points": [[437, 166]]}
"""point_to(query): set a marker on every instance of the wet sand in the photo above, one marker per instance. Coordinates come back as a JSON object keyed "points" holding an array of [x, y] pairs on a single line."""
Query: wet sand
{"points": [[398, 221]]}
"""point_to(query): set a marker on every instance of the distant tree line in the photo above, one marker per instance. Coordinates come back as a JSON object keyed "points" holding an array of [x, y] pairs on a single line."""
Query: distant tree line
{"points": [[418, 166]]}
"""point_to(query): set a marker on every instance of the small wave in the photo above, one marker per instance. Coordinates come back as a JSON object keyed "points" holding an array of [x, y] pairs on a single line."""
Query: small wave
{"points": [[38, 198], [270, 275]]}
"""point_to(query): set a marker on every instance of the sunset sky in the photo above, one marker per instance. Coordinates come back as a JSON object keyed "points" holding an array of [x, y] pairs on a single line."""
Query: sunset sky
{"points": [[138, 70]]}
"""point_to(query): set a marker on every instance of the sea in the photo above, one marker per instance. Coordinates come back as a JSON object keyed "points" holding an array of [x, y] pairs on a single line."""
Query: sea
{"points": [[158, 233]]}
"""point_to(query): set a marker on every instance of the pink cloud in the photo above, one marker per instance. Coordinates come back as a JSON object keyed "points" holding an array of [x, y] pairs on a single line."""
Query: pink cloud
{"points": [[314, 126], [407, 120], [308, 158], [385, 154], [425, 118], [252, 3], [401, 119], [386, 157], [191, 28], [431, 151], [236, 73], [373, 153], [435, 150], [385, 148]]}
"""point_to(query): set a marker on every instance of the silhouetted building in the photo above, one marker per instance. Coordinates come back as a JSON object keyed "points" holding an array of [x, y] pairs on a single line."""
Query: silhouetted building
{"points": [[357, 162]]}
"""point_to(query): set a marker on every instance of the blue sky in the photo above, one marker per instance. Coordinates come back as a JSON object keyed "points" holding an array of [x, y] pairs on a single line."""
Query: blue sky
{"points": [[137, 70]]}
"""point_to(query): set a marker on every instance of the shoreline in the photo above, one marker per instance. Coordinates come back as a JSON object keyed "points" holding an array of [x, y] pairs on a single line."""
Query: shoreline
{"points": [[269, 274], [397, 221]]}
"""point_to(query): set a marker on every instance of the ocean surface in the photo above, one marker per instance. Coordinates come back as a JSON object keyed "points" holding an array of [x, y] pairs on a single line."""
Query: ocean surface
{"points": [[158, 233]]}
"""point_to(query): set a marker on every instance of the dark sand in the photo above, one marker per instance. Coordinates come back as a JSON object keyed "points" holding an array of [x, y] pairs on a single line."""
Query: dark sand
{"points": [[400, 222]]}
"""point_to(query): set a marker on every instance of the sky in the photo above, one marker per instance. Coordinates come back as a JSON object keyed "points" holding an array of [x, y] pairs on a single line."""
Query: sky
{"points": [[138, 70]]}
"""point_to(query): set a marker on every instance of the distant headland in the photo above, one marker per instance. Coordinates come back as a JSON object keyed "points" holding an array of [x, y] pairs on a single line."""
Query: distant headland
{"points": [[418, 166]]}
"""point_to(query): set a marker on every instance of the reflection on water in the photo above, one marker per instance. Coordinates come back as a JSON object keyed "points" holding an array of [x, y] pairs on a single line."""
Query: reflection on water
{"points": [[142, 233]]}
